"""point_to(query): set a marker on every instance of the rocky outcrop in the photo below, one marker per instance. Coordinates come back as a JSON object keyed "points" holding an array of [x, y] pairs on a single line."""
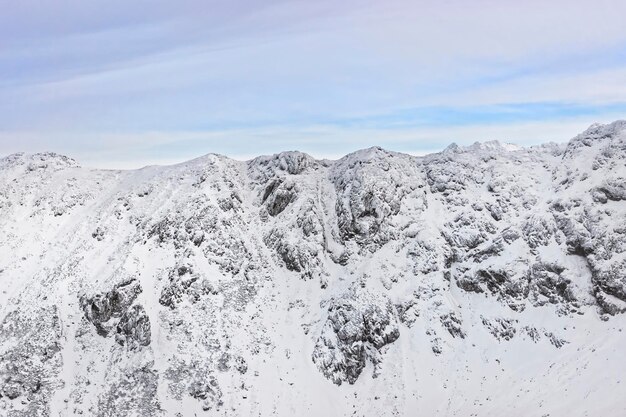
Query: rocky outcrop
{"points": [[113, 312], [488, 259], [135, 393], [500, 328], [374, 187], [278, 195], [299, 256], [292, 163], [133, 329], [29, 369], [100, 308], [184, 284], [358, 327], [613, 189]]}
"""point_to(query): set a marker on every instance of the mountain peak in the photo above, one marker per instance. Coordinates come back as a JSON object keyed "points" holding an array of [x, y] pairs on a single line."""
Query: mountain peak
{"points": [[40, 161], [596, 134], [258, 287]]}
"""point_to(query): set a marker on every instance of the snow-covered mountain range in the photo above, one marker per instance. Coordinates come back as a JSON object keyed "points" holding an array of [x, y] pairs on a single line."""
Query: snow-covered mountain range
{"points": [[479, 281]]}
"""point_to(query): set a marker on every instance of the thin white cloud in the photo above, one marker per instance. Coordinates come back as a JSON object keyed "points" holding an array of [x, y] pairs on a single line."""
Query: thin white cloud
{"points": [[276, 72]]}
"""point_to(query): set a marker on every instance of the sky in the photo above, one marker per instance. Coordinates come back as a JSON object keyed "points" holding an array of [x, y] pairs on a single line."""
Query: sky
{"points": [[121, 84]]}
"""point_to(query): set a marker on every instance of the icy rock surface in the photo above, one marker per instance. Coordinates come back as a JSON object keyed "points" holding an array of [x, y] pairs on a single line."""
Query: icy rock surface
{"points": [[357, 328], [483, 280]]}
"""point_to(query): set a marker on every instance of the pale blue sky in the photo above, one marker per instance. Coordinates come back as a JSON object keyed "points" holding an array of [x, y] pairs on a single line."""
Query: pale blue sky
{"points": [[124, 84]]}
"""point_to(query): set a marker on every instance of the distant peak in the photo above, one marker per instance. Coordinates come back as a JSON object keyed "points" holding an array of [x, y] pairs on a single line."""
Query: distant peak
{"points": [[41, 160], [452, 148], [292, 162], [595, 133], [599, 129], [494, 145], [370, 153], [488, 146]]}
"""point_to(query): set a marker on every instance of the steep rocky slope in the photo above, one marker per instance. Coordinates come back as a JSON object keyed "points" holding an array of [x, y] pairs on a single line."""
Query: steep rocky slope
{"points": [[487, 280]]}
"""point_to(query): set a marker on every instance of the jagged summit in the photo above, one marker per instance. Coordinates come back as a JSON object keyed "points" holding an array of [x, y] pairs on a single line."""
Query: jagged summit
{"points": [[290, 162], [38, 161], [599, 130], [377, 284], [597, 133], [495, 145], [294, 162]]}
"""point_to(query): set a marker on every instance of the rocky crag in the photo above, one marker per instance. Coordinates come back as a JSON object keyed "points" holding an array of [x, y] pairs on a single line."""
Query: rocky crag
{"points": [[481, 280]]}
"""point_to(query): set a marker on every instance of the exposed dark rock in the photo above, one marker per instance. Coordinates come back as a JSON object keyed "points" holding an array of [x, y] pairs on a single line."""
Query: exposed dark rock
{"points": [[355, 331], [610, 283], [613, 189], [372, 185], [549, 285], [467, 231], [510, 235], [408, 312], [293, 163], [555, 340], [299, 256], [29, 369], [278, 195], [501, 282], [470, 285], [135, 393], [100, 308], [428, 257], [500, 328], [223, 362], [532, 333], [577, 234], [240, 364], [538, 231], [182, 284], [599, 196], [492, 250], [98, 234], [206, 389], [453, 325], [495, 210], [133, 329]]}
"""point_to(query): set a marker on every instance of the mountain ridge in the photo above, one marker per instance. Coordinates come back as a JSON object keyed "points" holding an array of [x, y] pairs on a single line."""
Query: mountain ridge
{"points": [[380, 283], [478, 145]]}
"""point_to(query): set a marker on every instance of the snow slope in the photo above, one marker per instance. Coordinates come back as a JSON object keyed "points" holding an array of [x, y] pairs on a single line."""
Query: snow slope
{"points": [[486, 281]]}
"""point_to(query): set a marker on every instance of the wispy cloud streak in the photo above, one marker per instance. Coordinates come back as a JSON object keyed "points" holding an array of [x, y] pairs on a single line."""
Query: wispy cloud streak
{"points": [[316, 74]]}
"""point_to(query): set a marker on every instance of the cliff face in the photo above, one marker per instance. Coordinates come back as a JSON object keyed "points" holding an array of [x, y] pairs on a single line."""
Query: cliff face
{"points": [[481, 280]]}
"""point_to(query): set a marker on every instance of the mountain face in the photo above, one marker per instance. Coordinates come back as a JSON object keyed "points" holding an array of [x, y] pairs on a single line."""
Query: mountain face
{"points": [[487, 280]]}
